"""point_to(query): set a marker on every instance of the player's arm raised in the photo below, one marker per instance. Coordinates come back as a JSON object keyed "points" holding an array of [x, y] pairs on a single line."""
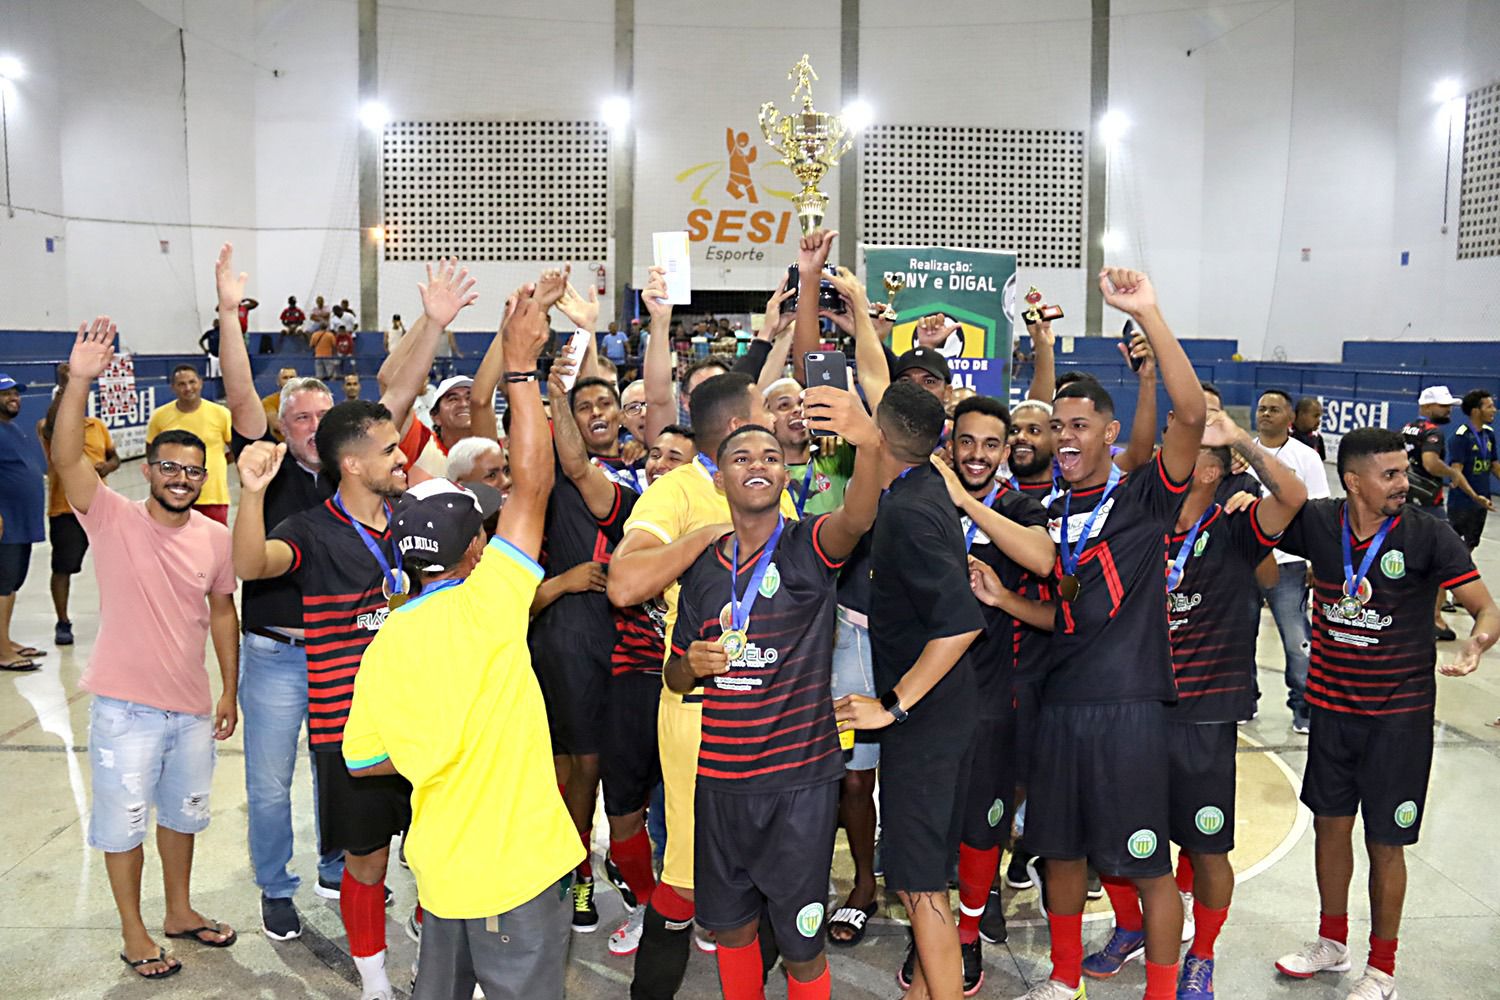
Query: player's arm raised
{"points": [[525, 510]]}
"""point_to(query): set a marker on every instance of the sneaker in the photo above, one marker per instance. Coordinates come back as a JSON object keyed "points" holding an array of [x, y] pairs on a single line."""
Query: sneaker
{"points": [[585, 913], [1196, 980], [1373, 985], [618, 881], [279, 920], [330, 890], [1322, 955], [908, 966], [992, 924], [62, 635], [1123, 948], [1301, 725], [704, 939], [973, 968], [1054, 990], [1096, 887], [1016, 874], [1189, 927], [626, 938], [414, 926], [1034, 871], [878, 865]]}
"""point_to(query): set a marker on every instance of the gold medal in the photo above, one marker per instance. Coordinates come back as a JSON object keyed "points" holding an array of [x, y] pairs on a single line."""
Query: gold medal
{"points": [[1068, 587], [395, 601], [734, 642]]}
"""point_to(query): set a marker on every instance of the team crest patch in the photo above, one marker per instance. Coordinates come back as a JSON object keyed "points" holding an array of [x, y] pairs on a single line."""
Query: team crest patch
{"points": [[1393, 564], [1200, 545], [1406, 814], [771, 582], [1142, 844], [809, 919], [1209, 820], [996, 813]]}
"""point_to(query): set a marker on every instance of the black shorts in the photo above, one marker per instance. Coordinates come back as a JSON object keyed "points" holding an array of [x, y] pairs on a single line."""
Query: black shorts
{"points": [[358, 815], [69, 543], [1028, 704], [1469, 523], [1098, 788], [630, 765], [766, 851], [1378, 768], [1202, 786], [15, 560], [924, 778], [989, 806], [574, 679]]}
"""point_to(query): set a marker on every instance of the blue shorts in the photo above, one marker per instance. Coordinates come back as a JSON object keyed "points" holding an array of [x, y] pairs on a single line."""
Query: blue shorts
{"points": [[854, 673], [142, 757]]}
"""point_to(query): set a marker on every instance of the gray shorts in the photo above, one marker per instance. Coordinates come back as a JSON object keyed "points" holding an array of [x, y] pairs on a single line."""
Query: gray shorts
{"points": [[854, 673], [521, 954]]}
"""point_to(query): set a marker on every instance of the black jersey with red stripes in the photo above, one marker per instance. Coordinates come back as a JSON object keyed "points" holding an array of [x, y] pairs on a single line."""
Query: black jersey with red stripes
{"points": [[573, 535], [992, 656], [1378, 663], [1213, 634], [343, 606], [1110, 644], [768, 722]]}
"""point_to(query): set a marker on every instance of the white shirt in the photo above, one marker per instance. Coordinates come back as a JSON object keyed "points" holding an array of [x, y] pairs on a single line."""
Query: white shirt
{"points": [[1308, 467], [344, 322]]}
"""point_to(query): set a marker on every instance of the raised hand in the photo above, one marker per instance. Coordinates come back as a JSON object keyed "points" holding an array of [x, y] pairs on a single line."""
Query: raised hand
{"points": [[777, 322], [526, 331], [1139, 347], [1467, 660], [231, 287], [258, 465], [93, 350], [562, 366], [1128, 291], [447, 292], [584, 312], [852, 290], [812, 251], [655, 295], [551, 286], [1219, 431], [1040, 331], [842, 412]]}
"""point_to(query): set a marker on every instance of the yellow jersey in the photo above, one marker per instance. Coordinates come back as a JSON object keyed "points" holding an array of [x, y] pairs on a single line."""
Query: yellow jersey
{"points": [[96, 446], [211, 422]]}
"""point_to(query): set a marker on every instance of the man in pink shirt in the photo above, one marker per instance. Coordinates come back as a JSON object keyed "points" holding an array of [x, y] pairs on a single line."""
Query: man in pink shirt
{"points": [[166, 580]]}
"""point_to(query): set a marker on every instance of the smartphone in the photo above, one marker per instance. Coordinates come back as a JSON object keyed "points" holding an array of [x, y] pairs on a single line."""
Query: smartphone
{"points": [[578, 345], [826, 368], [829, 298], [1127, 334]]}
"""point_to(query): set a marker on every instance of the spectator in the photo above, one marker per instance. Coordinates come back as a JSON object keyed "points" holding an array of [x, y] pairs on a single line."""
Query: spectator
{"points": [[209, 345], [348, 309], [210, 423], [615, 344], [394, 334], [1306, 423], [292, 319], [325, 365], [166, 582], [247, 304], [480, 460], [351, 386], [342, 326], [318, 318], [21, 506], [271, 403], [447, 351], [69, 541]]}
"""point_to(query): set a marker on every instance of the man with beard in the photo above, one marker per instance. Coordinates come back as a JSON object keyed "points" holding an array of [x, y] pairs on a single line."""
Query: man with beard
{"points": [[816, 475], [1378, 563], [210, 423]]}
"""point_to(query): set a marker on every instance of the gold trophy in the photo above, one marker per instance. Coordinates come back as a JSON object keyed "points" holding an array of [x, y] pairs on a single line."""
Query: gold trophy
{"points": [[894, 283], [1039, 312], [810, 143]]}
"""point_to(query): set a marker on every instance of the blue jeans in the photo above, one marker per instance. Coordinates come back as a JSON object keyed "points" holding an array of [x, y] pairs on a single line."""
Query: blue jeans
{"points": [[142, 757], [273, 703], [1288, 601], [854, 673]]}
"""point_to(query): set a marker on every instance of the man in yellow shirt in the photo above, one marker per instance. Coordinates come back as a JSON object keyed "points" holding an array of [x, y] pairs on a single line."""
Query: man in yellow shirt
{"points": [[446, 697], [271, 402], [211, 422]]}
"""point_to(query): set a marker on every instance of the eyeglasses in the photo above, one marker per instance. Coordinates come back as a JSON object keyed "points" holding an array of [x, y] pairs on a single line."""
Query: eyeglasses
{"points": [[635, 409], [195, 473]]}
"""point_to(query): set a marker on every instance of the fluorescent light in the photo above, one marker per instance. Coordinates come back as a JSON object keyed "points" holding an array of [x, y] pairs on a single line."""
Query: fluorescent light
{"points": [[11, 68], [1112, 241], [1446, 90], [1113, 126], [374, 115], [615, 112], [858, 115]]}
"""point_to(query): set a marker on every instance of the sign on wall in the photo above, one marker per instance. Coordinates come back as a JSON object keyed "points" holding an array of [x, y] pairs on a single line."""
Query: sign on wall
{"points": [[1342, 415], [124, 406], [738, 204]]}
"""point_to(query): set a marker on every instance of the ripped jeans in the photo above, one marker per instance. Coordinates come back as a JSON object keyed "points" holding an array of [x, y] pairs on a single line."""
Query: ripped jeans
{"points": [[142, 757]]}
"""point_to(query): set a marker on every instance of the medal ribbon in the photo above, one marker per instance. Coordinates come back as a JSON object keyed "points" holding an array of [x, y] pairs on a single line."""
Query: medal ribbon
{"points": [[624, 478], [1174, 574], [708, 464], [807, 478], [1066, 552], [973, 524], [739, 611], [1351, 581], [393, 578]]}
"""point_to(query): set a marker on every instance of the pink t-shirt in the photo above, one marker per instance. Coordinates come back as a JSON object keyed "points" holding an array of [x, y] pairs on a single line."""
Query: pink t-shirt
{"points": [[154, 583]]}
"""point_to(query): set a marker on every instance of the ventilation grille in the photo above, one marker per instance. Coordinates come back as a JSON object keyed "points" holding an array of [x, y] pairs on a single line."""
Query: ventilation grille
{"points": [[1479, 191]]}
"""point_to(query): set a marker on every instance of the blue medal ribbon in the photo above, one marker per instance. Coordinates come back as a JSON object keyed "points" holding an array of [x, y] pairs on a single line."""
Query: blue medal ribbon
{"points": [[1174, 574], [708, 464], [807, 478], [1065, 551], [739, 610], [394, 578], [1351, 580], [973, 524], [624, 478]]}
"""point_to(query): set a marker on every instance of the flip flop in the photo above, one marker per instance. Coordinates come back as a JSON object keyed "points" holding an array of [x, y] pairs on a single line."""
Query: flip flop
{"points": [[160, 956], [215, 928], [851, 916], [22, 666], [30, 651]]}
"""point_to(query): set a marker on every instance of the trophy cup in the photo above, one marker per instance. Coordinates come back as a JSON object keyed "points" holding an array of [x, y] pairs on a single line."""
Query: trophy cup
{"points": [[1039, 313], [810, 143], [894, 283]]}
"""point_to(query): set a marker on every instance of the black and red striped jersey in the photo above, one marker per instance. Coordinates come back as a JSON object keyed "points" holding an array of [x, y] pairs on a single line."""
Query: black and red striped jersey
{"points": [[1209, 619], [343, 606], [767, 723], [1378, 663], [1110, 644], [640, 639], [573, 535]]}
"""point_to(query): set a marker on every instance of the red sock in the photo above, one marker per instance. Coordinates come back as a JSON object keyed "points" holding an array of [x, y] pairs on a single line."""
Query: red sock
{"points": [[1184, 872], [1206, 926], [1126, 901], [633, 857], [1334, 927], [976, 870], [670, 904], [586, 867], [816, 989], [1067, 948], [363, 909], [1383, 954], [1161, 981], [740, 972]]}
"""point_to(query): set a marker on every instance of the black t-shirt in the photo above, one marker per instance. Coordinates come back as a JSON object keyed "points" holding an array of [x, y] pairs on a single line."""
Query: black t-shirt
{"points": [[1110, 645], [854, 581], [574, 536], [1237, 482], [992, 656], [768, 723], [277, 603], [1313, 440], [1213, 639], [1423, 436], [919, 590], [1380, 663]]}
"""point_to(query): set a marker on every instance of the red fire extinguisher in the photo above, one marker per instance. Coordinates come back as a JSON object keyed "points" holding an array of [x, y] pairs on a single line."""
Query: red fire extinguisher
{"points": [[599, 275]]}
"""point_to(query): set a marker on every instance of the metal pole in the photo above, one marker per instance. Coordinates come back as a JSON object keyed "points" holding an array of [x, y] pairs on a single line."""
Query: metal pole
{"points": [[1098, 176], [1447, 170], [10, 209], [622, 150], [849, 235], [370, 248]]}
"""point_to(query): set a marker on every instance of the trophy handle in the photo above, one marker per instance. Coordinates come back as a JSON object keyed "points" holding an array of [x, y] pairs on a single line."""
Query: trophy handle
{"points": [[769, 121]]}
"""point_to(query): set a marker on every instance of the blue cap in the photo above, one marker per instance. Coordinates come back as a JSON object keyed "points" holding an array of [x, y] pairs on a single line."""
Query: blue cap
{"points": [[7, 383]]}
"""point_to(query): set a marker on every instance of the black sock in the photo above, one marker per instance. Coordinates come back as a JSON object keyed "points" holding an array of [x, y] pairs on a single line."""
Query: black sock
{"points": [[661, 961]]}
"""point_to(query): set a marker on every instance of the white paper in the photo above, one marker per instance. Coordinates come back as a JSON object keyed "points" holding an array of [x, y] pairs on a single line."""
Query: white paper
{"points": [[671, 251]]}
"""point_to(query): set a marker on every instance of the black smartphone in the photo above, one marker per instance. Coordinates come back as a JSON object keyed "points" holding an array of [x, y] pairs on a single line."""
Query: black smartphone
{"points": [[825, 368], [1127, 334], [828, 297]]}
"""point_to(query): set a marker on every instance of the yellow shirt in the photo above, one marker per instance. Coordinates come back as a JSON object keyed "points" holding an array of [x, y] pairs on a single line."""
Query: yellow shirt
{"points": [[211, 422], [272, 405], [681, 502], [447, 693], [96, 445]]}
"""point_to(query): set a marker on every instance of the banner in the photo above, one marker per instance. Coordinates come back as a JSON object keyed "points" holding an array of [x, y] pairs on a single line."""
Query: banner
{"points": [[957, 301], [124, 407]]}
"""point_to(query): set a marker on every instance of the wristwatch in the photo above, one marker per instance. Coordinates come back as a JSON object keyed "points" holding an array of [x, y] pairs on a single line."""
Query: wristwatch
{"points": [[891, 702]]}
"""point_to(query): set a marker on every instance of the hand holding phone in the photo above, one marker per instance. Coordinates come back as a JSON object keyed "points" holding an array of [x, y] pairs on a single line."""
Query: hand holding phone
{"points": [[577, 346], [825, 368], [1128, 334]]}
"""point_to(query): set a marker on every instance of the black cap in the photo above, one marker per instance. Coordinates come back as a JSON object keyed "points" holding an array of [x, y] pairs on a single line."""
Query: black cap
{"points": [[926, 359], [436, 522]]}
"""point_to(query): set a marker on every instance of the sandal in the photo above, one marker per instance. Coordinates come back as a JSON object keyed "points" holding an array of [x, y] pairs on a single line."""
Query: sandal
{"points": [[215, 928], [21, 666], [854, 917], [30, 651], [172, 966]]}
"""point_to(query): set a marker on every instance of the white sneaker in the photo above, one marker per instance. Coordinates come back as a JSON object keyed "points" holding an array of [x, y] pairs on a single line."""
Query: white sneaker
{"points": [[1189, 928], [1373, 985], [626, 938], [1322, 955], [704, 939], [1051, 989]]}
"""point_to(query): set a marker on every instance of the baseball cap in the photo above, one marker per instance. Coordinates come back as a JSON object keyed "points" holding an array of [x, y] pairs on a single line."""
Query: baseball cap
{"points": [[452, 382], [1439, 395], [926, 359], [7, 383], [436, 521]]}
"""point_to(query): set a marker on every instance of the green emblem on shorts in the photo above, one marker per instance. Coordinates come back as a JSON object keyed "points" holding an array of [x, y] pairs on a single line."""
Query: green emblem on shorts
{"points": [[809, 919], [1200, 545], [1393, 564], [996, 813], [1209, 820], [1406, 814], [1142, 844], [771, 582]]}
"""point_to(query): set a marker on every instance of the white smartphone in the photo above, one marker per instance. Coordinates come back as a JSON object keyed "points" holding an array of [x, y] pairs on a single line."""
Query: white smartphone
{"points": [[578, 345], [671, 253]]}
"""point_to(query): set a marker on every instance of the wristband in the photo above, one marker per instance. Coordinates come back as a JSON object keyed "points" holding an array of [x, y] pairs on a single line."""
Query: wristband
{"points": [[512, 378]]}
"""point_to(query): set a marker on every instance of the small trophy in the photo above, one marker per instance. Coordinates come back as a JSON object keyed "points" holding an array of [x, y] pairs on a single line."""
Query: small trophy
{"points": [[894, 283], [1039, 313], [810, 143]]}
